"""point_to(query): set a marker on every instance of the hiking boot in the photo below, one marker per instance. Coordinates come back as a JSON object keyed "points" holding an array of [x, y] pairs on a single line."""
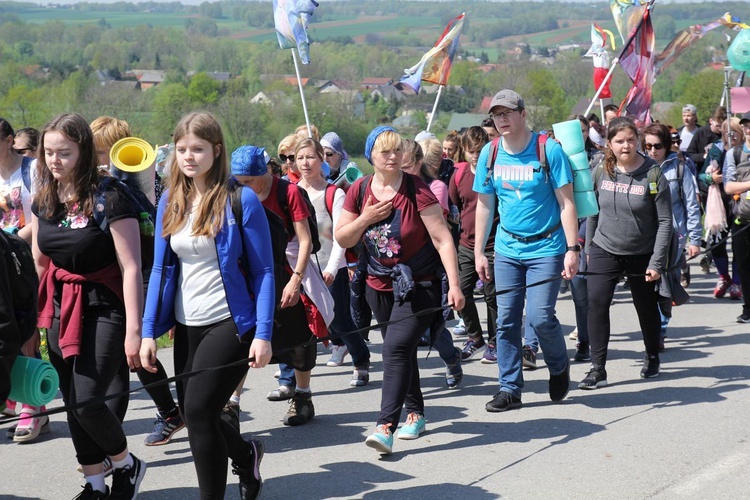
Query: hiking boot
{"points": [[360, 377], [126, 481], [453, 372], [30, 426], [414, 426], [503, 401], [164, 429], [249, 474], [490, 355], [559, 385], [650, 366], [583, 352], [472, 348], [595, 378], [338, 353], [231, 414], [89, 493], [381, 440], [721, 287], [735, 292], [460, 328], [301, 409], [529, 358], [283, 393]]}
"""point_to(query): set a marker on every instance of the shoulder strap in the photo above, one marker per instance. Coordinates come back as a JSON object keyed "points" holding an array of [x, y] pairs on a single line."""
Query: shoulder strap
{"points": [[491, 159], [459, 174], [411, 189], [598, 172], [653, 179], [26, 172], [100, 202], [362, 189], [737, 156], [283, 196], [236, 200], [329, 197], [541, 150]]}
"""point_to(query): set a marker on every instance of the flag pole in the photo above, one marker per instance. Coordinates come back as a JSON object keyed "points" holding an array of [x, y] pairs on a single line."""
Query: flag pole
{"points": [[434, 107], [302, 94], [617, 59]]}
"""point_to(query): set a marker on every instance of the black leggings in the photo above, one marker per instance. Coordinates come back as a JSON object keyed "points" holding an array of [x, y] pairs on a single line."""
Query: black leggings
{"points": [[741, 256], [160, 394], [601, 289], [96, 430], [203, 396], [400, 342]]}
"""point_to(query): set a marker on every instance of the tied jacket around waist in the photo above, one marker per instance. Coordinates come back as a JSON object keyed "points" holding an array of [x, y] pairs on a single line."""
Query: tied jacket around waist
{"points": [[248, 279]]}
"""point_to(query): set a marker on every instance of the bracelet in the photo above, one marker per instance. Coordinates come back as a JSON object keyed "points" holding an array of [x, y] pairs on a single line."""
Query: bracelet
{"points": [[298, 274]]}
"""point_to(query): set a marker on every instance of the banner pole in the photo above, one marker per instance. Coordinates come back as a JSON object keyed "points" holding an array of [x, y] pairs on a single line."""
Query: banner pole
{"points": [[302, 94], [601, 87], [434, 107]]}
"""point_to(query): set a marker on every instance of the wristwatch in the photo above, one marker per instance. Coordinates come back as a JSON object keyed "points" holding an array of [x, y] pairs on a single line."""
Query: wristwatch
{"points": [[573, 248]]}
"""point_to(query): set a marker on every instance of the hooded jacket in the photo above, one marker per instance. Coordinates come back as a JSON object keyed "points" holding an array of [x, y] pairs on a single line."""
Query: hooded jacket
{"points": [[634, 218], [686, 211]]}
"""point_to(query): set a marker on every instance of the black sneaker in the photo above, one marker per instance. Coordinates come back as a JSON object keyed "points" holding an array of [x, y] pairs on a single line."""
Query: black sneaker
{"points": [[583, 352], [89, 493], [249, 475], [164, 429], [529, 358], [595, 378], [301, 409], [743, 318], [503, 401], [650, 366], [126, 481], [559, 385], [231, 414]]}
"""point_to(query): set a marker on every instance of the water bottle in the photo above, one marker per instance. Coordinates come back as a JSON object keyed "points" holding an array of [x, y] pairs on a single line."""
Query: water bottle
{"points": [[146, 225]]}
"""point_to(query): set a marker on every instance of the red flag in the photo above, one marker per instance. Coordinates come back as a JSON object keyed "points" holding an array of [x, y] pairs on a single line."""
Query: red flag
{"points": [[638, 62]]}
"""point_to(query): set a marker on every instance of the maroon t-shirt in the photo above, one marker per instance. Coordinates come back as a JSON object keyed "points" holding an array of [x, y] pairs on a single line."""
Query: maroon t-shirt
{"points": [[462, 194], [398, 237], [297, 207]]}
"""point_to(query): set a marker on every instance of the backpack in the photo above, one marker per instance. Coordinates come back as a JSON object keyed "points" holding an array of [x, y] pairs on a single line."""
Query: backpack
{"points": [[26, 172], [23, 282], [279, 240], [146, 217], [311, 220], [541, 154], [741, 201]]}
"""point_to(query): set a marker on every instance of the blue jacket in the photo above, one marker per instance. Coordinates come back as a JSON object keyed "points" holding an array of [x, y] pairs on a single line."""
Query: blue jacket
{"points": [[686, 212], [251, 300]]}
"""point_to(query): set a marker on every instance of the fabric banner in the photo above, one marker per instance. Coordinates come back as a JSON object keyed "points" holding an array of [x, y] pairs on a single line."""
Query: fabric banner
{"points": [[435, 66], [598, 51], [739, 99], [638, 62], [627, 14], [290, 18]]}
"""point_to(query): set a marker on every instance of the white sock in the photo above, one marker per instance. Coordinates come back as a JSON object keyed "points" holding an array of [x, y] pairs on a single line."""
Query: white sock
{"points": [[235, 399], [97, 482], [305, 390], [125, 462]]}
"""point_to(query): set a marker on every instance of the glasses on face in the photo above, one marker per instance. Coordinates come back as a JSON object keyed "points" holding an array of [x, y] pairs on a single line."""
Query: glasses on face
{"points": [[22, 150], [655, 147], [329, 154], [286, 158], [502, 114]]}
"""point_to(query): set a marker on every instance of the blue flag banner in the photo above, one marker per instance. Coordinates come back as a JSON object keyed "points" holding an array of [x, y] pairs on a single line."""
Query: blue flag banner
{"points": [[290, 18]]}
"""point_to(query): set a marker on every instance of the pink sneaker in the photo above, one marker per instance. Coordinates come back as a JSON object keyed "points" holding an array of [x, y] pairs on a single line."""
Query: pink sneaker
{"points": [[29, 427], [10, 409], [721, 287], [735, 292]]}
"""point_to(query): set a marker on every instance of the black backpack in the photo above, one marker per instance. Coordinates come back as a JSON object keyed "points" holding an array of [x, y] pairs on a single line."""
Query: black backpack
{"points": [[279, 240], [23, 281], [145, 210]]}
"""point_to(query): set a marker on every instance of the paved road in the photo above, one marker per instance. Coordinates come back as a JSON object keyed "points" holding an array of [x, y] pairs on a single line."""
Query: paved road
{"points": [[683, 435]]}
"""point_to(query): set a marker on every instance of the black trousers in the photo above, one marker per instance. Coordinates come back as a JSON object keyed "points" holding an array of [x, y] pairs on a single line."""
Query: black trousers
{"points": [[741, 255], [468, 277], [601, 289]]}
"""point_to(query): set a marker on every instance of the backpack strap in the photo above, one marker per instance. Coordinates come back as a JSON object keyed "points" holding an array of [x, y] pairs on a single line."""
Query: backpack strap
{"points": [[491, 160], [26, 172], [362, 189], [329, 197], [541, 151], [100, 201]]}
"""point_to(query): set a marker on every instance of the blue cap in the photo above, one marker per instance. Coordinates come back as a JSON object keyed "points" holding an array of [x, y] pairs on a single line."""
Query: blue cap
{"points": [[250, 160], [372, 137]]}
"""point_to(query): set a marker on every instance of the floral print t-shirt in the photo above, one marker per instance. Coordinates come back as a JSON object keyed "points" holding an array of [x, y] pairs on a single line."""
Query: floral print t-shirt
{"points": [[15, 200], [399, 236]]}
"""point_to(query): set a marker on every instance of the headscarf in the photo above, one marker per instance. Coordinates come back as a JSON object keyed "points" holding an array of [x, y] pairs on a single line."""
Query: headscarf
{"points": [[372, 137]]}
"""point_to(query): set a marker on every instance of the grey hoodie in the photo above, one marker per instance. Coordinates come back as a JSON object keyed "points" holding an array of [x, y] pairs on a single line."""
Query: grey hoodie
{"points": [[632, 219]]}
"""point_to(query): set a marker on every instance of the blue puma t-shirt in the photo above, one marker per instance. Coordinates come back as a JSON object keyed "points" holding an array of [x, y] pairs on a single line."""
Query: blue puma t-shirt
{"points": [[526, 198]]}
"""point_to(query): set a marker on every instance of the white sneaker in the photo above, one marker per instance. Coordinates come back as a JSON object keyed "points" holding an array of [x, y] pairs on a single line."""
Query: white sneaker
{"points": [[460, 328], [574, 334], [338, 352]]}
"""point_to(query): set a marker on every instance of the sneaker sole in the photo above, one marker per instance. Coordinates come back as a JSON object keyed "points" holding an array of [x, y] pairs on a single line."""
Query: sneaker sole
{"points": [[139, 477], [643, 375], [378, 445], [512, 406], [167, 439], [601, 383], [409, 437], [581, 359]]}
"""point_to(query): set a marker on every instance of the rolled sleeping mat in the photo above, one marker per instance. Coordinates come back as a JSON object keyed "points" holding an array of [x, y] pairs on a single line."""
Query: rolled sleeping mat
{"points": [[33, 381], [586, 204], [582, 181], [570, 136], [579, 161], [133, 162]]}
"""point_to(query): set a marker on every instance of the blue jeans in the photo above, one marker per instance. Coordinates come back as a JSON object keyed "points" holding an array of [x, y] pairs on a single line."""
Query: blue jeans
{"points": [[514, 274], [444, 346], [342, 320]]}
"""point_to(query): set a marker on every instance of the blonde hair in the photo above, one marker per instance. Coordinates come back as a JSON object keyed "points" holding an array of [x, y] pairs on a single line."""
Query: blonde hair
{"points": [[387, 141], [302, 132], [108, 130], [288, 143], [433, 154], [734, 124], [210, 214]]}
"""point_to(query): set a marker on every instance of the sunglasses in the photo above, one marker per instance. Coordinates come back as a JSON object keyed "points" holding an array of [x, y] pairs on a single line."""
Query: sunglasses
{"points": [[285, 158], [329, 154], [22, 150], [655, 147]]}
